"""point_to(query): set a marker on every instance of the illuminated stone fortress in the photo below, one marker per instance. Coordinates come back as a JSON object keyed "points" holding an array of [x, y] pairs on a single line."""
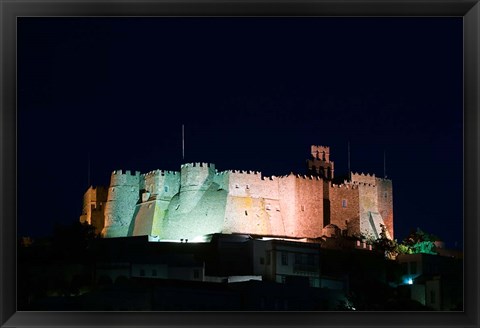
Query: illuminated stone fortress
{"points": [[199, 201]]}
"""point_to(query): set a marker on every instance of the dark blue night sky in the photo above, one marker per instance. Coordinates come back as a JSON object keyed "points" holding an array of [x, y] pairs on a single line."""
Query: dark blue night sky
{"points": [[253, 93]]}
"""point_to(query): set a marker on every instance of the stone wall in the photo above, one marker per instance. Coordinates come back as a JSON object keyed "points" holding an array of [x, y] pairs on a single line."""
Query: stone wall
{"points": [[252, 206], [288, 206], [345, 215], [308, 207], [159, 187], [205, 217]]}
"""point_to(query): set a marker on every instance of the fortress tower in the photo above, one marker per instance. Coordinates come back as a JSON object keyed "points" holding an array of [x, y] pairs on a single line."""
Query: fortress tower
{"points": [[94, 201], [195, 179], [123, 195], [319, 164]]}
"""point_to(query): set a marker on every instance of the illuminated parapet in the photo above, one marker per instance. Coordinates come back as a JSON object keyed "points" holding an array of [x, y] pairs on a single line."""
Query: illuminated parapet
{"points": [[160, 184], [123, 195], [245, 184], [222, 179], [363, 178]]}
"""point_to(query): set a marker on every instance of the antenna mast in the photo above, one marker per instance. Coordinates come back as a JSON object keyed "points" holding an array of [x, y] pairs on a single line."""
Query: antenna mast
{"points": [[183, 142], [384, 165], [349, 172], [88, 175]]}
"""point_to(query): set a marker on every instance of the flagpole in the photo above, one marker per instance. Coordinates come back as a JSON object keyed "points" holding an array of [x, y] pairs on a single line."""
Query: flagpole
{"points": [[183, 142]]}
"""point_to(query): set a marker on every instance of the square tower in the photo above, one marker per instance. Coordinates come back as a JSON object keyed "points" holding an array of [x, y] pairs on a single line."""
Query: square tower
{"points": [[319, 164]]}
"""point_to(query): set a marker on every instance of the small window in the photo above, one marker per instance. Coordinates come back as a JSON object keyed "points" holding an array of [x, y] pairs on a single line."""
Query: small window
{"points": [[284, 258], [344, 203], [268, 207], [248, 186], [165, 188], [237, 186], [246, 213], [142, 273], [385, 194], [154, 272]]}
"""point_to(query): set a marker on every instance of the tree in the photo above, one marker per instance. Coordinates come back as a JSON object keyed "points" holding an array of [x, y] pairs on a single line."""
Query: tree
{"points": [[416, 242], [388, 246], [419, 242]]}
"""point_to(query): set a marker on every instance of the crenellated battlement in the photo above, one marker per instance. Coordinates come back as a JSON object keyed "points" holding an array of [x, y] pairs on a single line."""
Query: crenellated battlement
{"points": [[249, 172], [364, 184], [383, 179], [359, 175], [362, 178], [345, 186], [269, 178], [127, 172], [198, 164], [307, 177], [125, 178], [320, 147], [160, 173], [321, 152]]}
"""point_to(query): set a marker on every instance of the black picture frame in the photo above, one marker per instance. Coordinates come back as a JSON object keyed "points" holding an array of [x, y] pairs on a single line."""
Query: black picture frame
{"points": [[10, 10]]}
